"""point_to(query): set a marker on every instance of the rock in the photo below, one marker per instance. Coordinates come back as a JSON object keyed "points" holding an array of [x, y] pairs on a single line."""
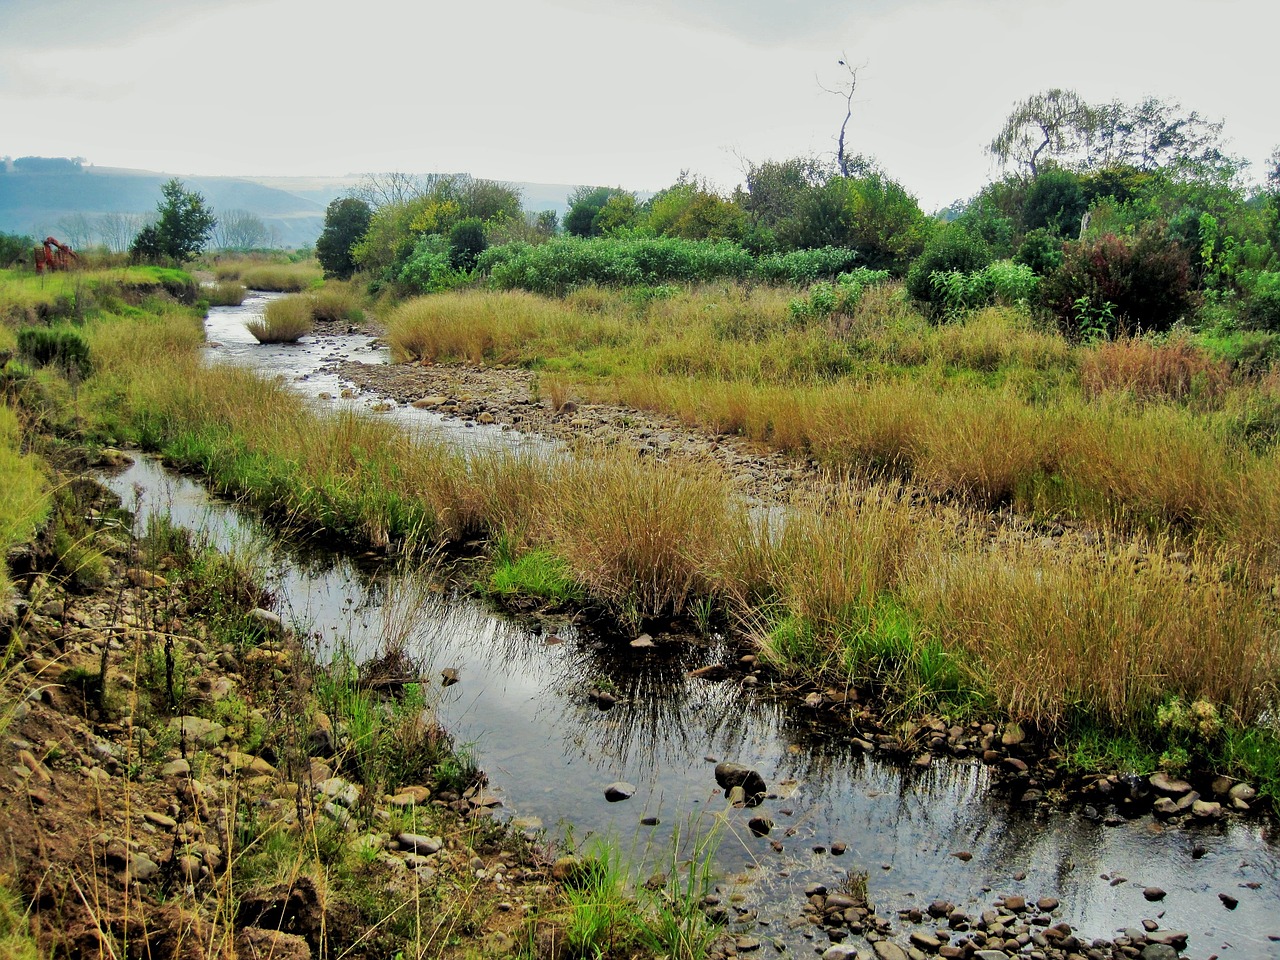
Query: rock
{"points": [[964, 856], [649, 821], [567, 869], [424, 403], [746, 944], [924, 941], [642, 642], [141, 868], [320, 742], [1171, 938], [1015, 903], [619, 790], [259, 942], [1242, 791], [339, 791], [841, 951], [1047, 904], [1013, 735], [486, 418], [1158, 951], [1153, 894], [449, 676], [204, 732], [1228, 901], [419, 844], [1165, 807], [729, 775], [888, 950], [248, 764], [1167, 784], [268, 621], [760, 826], [941, 908], [1206, 810], [409, 796], [160, 820]]}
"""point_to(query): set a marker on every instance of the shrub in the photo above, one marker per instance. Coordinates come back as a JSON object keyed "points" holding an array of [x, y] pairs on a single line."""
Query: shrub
{"points": [[1041, 251], [284, 321], [61, 346], [14, 247], [842, 297], [334, 301], [1012, 283], [466, 243], [1262, 308], [430, 268], [801, 267], [1146, 280], [951, 249], [345, 223], [561, 265]]}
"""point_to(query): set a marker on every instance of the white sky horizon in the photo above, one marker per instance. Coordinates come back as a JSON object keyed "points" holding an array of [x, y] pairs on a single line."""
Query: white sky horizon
{"points": [[601, 92]]}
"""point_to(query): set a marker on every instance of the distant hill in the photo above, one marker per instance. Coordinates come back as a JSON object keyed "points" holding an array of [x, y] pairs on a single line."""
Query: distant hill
{"points": [[84, 204]]}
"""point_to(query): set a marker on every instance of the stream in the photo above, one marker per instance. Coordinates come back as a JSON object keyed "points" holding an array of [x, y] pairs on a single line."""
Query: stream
{"points": [[549, 752]]}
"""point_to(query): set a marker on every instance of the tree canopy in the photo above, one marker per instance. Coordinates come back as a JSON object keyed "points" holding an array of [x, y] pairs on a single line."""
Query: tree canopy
{"points": [[182, 229]]}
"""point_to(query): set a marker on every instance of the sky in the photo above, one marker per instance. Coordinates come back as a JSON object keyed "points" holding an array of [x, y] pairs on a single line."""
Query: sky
{"points": [[602, 92]]}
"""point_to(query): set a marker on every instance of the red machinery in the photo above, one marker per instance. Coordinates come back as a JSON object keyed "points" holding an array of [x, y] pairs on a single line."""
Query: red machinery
{"points": [[54, 256]]}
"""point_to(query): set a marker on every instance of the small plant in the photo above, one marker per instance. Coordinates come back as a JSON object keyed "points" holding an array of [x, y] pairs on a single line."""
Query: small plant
{"points": [[64, 347], [284, 321], [227, 293]]}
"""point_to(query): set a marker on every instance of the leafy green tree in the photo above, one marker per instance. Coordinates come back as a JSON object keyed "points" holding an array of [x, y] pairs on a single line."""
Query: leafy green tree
{"points": [[1055, 202], [585, 205], [1053, 125], [466, 242], [14, 247], [345, 223], [182, 229]]}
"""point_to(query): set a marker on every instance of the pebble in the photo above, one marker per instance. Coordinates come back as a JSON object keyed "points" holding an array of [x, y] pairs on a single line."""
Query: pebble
{"points": [[619, 790], [1153, 894]]}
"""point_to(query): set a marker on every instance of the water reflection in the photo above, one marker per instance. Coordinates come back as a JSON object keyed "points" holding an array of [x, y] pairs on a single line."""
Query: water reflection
{"points": [[549, 752]]}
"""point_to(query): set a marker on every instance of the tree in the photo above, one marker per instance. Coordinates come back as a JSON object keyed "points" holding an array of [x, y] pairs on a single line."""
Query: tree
{"points": [[845, 90], [183, 228], [345, 223], [240, 230], [1055, 124], [586, 204], [381, 189], [1152, 134]]}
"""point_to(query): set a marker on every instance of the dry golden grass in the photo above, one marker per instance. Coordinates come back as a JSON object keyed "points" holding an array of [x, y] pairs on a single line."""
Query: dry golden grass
{"points": [[1100, 633], [225, 293], [1148, 369], [995, 337], [283, 321], [282, 277], [336, 300]]}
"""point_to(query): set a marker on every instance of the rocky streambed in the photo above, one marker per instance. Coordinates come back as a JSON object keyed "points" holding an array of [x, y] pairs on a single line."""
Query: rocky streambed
{"points": [[931, 813]]}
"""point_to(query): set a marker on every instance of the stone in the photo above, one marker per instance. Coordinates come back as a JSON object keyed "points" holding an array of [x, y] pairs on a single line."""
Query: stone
{"points": [[729, 775], [760, 826], [1015, 903], [964, 856], [1047, 904], [841, 951], [566, 869], [485, 418], [1206, 810], [204, 732], [424, 403], [276, 944], [1228, 901], [141, 868], [1158, 951], [339, 791], [1013, 735], [1153, 894], [619, 790], [270, 622], [1167, 784], [642, 642], [160, 820], [449, 676], [1242, 791], [888, 950], [417, 843]]}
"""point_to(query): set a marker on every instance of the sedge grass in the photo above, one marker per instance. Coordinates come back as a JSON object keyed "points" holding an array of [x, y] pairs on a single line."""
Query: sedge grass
{"points": [[283, 321], [227, 293], [282, 278], [868, 589]]}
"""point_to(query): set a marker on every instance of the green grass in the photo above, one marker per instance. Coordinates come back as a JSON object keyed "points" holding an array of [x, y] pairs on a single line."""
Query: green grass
{"points": [[25, 503], [538, 573], [283, 321]]}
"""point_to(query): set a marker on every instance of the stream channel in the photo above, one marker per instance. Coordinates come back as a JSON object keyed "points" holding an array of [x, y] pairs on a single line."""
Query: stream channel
{"points": [[549, 752]]}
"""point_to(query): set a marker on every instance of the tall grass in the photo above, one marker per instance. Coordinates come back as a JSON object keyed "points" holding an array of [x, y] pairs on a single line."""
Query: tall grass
{"points": [[283, 321], [860, 586], [25, 502], [282, 278]]}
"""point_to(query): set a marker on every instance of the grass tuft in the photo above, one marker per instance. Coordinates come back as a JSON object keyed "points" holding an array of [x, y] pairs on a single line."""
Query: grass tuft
{"points": [[283, 321]]}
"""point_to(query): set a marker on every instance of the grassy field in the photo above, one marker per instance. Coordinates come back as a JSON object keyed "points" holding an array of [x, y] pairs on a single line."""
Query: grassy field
{"points": [[1151, 435], [1170, 608]]}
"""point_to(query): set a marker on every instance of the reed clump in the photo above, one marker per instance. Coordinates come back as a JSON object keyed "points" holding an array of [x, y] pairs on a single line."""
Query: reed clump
{"points": [[283, 321], [282, 278]]}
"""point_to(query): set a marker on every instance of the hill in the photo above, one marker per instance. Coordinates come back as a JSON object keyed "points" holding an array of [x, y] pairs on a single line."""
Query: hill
{"points": [[85, 204]]}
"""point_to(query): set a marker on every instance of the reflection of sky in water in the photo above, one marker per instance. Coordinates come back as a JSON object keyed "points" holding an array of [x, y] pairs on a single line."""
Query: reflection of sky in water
{"points": [[302, 366], [550, 752]]}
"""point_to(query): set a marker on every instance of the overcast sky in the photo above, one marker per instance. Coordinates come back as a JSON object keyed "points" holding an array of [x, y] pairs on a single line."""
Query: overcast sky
{"points": [[597, 91]]}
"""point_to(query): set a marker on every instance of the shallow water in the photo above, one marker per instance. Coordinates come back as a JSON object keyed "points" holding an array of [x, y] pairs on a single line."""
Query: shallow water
{"points": [[549, 752]]}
